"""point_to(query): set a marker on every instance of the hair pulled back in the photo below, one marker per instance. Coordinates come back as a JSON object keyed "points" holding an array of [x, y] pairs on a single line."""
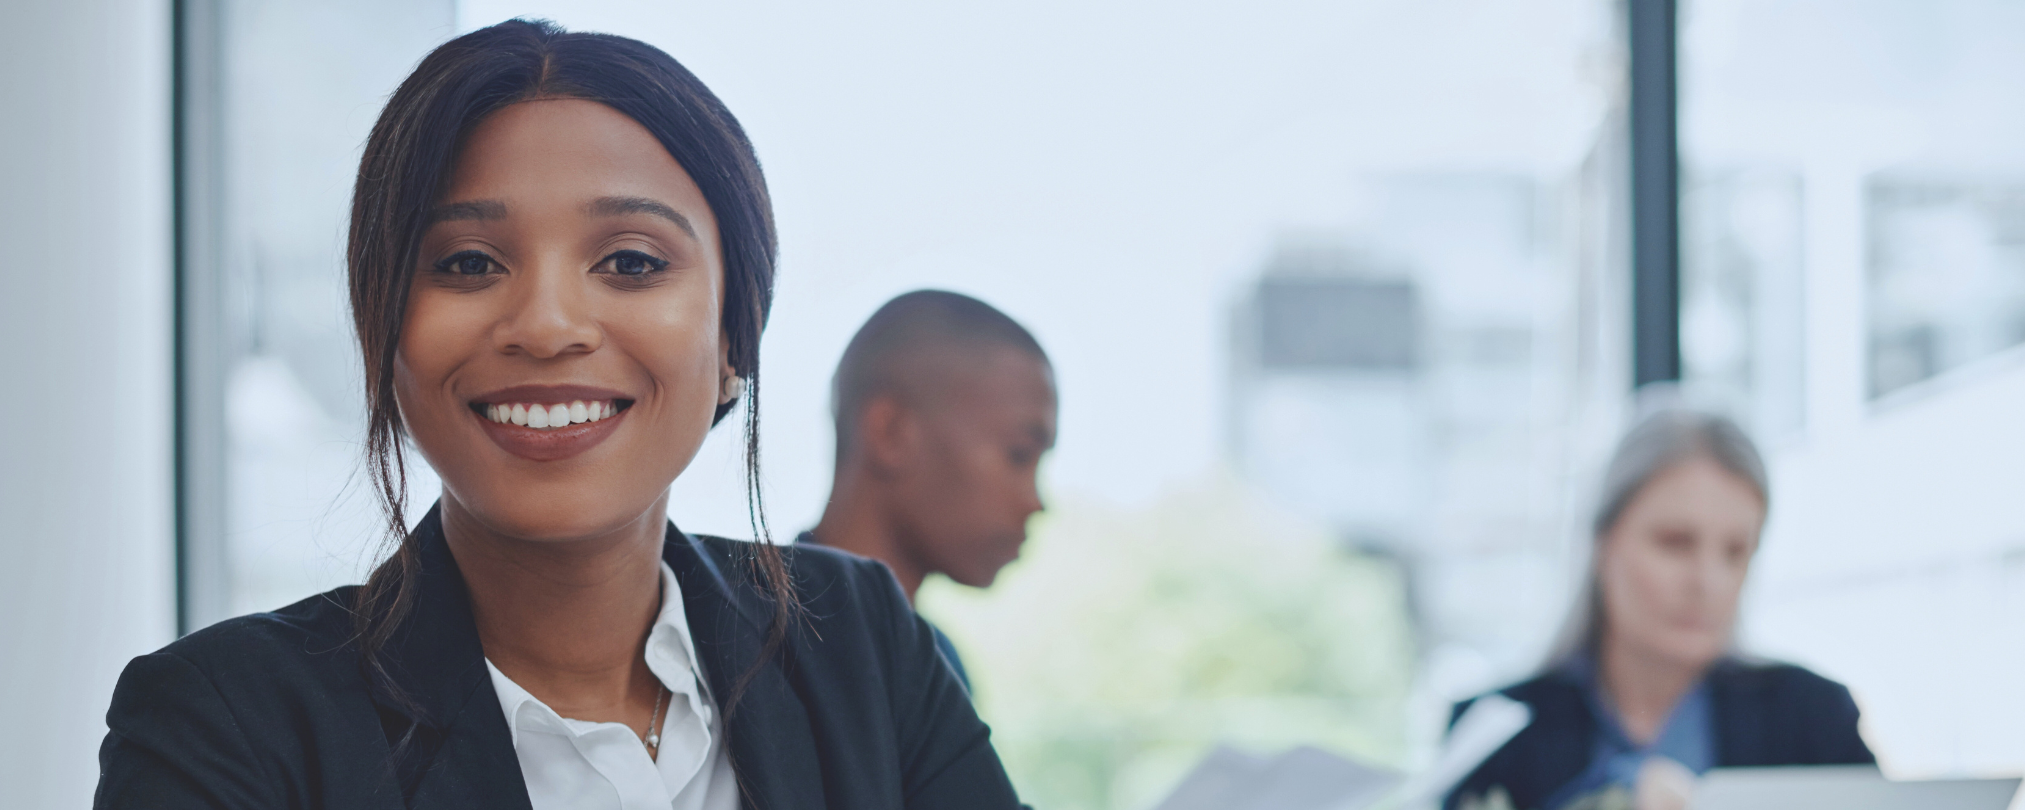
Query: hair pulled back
{"points": [[1663, 440], [407, 164]]}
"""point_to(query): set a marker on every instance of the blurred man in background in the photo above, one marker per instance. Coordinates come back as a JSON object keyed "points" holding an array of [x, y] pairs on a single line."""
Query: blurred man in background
{"points": [[944, 407]]}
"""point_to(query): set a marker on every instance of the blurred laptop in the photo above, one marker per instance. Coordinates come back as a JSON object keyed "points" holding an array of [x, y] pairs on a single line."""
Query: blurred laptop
{"points": [[1854, 787]]}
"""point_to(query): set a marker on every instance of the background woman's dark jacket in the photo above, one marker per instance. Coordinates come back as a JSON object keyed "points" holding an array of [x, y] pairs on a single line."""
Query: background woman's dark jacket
{"points": [[273, 711], [1765, 714]]}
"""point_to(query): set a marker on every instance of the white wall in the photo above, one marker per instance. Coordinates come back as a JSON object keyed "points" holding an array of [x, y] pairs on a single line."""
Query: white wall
{"points": [[1895, 563], [86, 559]]}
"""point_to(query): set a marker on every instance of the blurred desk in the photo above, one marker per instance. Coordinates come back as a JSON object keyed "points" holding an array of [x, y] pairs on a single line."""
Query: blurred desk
{"points": [[1844, 787]]}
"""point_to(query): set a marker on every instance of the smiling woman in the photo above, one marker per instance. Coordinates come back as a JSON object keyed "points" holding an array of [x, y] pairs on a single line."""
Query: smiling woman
{"points": [[561, 260]]}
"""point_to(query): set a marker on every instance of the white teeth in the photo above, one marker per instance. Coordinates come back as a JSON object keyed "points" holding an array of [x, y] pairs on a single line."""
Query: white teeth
{"points": [[550, 416]]}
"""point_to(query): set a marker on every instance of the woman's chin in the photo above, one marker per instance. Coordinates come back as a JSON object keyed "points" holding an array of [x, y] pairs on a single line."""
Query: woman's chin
{"points": [[1694, 652], [559, 516]]}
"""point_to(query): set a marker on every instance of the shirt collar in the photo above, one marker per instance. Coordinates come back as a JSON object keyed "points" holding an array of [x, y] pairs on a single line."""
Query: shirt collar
{"points": [[671, 649], [671, 656], [1688, 720]]}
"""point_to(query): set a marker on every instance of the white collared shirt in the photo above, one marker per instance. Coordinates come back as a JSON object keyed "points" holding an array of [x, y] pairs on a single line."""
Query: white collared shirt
{"points": [[580, 765]]}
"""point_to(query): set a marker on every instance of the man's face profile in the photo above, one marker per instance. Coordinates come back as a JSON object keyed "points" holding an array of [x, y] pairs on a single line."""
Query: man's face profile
{"points": [[971, 447]]}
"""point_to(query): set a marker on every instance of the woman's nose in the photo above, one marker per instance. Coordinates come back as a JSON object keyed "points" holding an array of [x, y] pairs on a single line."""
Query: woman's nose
{"points": [[1710, 576], [548, 317]]}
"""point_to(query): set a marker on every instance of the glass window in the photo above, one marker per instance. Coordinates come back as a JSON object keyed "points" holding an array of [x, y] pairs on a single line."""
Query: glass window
{"points": [[1854, 284], [271, 147], [1947, 274]]}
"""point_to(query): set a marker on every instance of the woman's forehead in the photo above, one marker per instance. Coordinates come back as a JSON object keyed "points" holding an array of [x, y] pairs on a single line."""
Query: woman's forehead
{"points": [[568, 153]]}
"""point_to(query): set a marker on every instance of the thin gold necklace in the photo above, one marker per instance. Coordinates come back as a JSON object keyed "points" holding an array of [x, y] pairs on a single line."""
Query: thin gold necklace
{"points": [[653, 738]]}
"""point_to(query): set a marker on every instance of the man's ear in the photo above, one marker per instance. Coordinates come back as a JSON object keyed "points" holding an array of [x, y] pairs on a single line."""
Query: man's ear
{"points": [[887, 433]]}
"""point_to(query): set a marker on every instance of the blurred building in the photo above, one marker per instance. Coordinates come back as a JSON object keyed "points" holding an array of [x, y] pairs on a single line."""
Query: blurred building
{"points": [[1328, 406], [1411, 381], [1946, 272]]}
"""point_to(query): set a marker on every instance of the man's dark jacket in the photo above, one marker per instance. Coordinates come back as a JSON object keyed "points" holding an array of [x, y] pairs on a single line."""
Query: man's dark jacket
{"points": [[274, 710], [1765, 714]]}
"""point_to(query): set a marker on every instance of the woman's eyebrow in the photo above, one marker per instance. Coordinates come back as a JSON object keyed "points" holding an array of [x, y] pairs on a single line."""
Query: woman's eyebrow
{"points": [[622, 206], [480, 210]]}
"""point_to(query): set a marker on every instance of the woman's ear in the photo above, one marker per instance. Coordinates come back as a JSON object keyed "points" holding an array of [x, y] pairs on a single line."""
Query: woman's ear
{"points": [[730, 386]]}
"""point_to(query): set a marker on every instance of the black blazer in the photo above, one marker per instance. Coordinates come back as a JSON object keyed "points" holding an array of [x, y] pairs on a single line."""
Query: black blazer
{"points": [[1765, 714], [273, 710]]}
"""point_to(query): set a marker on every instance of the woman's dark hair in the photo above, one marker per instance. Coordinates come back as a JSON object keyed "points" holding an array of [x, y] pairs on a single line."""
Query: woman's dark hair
{"points": [[407, 165]]}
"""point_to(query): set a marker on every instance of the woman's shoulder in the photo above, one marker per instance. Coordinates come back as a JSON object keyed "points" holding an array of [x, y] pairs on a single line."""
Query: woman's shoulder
{"points": [[240, 711], [848, 604], [1759, 674], [301, 648], [315, 627], [823, 576], [1774, 713], [1753, 684]]}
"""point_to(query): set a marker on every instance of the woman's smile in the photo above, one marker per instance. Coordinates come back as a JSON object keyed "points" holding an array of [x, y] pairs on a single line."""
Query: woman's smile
{"points": [[550, 422]]}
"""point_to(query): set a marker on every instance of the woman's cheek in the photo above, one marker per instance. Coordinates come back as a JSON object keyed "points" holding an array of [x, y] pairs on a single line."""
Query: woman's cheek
{"points": [[1663, 580]]}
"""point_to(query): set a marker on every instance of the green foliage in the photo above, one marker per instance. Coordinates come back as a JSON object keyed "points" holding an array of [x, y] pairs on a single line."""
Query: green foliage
{"points": [[1123, 645]]}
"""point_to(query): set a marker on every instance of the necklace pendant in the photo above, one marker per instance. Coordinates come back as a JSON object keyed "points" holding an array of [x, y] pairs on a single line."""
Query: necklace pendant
{"points": [[653, 741]]}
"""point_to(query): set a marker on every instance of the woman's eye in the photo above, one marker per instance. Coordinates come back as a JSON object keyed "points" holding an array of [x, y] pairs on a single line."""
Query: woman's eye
{"points": [[1677, 542], [467, 263], [632, 263]]}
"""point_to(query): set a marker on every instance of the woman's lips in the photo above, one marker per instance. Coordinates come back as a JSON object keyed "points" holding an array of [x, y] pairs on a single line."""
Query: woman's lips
{"points": [[552, 443]]}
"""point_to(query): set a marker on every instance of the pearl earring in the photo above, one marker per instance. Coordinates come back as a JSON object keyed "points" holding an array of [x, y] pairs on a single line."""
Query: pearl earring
{"points": [[732, 389]]}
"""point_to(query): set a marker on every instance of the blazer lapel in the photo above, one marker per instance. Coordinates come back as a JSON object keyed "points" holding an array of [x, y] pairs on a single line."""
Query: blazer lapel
{"points": [[768, 728], [460, 753], [477, 766]]}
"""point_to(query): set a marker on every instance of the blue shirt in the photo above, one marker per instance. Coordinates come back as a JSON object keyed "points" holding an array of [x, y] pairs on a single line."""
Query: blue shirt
{"points": [[1688, 737]]}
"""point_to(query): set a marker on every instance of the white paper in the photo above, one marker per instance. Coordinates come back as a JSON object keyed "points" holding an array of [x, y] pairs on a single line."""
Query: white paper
{"points": [[1218, 782], [1304, 778], [1489, 723]]}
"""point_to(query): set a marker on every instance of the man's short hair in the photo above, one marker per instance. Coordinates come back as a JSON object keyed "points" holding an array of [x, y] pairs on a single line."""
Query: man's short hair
{"points": [[887, 354]]}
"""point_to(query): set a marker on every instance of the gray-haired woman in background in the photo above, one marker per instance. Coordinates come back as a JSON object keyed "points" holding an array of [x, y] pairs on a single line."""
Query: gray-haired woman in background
{"points": [[1645, 679]]}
